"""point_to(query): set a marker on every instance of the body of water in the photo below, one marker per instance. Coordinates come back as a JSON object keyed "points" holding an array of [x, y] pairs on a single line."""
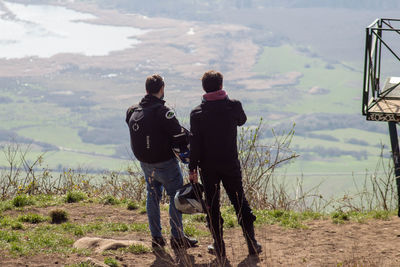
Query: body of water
{"points": [[45, 30]]}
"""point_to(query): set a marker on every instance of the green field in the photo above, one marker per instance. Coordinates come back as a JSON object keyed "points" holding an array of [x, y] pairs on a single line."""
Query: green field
{"points": [[34, 123], [342, 96], [64, 137]]}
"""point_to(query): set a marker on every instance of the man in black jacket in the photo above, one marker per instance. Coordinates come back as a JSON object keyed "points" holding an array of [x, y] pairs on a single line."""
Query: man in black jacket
{"points": [[213, 145], [154, 132]]}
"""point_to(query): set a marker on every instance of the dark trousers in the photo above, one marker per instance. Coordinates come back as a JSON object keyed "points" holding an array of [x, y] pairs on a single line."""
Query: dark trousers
{"points": [[231, 177]]}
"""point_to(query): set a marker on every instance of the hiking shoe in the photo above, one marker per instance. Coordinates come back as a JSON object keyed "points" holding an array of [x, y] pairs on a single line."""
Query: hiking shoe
{"points": [[255, 248], [182, 243], [158, 242]]}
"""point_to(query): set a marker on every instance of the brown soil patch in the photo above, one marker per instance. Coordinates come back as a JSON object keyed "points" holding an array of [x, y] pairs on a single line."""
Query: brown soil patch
{"points": [[373, 243]]}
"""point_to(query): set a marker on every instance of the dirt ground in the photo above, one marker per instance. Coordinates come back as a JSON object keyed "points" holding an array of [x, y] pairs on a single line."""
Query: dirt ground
{"points": [[323, 243]]}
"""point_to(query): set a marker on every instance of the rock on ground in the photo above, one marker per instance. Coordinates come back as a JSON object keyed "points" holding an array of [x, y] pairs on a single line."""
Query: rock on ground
{"points": [[99, 245]]}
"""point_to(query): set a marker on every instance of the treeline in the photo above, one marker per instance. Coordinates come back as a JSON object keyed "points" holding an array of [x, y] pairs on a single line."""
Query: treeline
{"points": [[326, 121], [329, 152], [206, 9], [11, 136]]}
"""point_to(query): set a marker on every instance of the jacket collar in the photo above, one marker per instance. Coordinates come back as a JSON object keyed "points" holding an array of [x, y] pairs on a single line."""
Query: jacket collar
{"points": [[149, 100]]}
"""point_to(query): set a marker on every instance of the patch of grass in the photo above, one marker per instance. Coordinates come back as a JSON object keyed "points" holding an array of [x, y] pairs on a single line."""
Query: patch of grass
{"points": [[75, 196], [9, 236], [58, 216], [102, 228], [230, 222], [289, 219], [339, 217], [111, 262], [45, 200], [132, 205], [6, 205], [110, 200], [143, 210], [137, 249], [22, 201], [48, 238], [359, 217], [229, 216], [381, 215], [199, 218], [193, 230], [75, 229], [6, 221], [311, 215], [118, 227], [139, 227], [194, 218], [164, 207], [16, 248], [32, 218], [79, 231], [93, 227], [81, 264], [17, 226]]}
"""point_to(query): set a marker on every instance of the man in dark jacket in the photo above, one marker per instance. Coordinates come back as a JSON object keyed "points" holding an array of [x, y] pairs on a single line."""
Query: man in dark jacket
{"points": [[213, 145], [154, 132]]}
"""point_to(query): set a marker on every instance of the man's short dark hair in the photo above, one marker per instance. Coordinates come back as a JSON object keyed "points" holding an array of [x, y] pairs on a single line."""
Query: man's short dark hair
{"points": [[154, 83], [212, 81]]}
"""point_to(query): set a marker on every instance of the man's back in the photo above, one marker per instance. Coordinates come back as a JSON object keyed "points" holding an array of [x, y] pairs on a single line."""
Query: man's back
{"points": [[154, 131], [214, 132]]}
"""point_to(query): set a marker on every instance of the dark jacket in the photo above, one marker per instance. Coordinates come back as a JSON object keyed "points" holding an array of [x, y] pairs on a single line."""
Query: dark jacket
{"points": [[154, 131], [213, 127]]}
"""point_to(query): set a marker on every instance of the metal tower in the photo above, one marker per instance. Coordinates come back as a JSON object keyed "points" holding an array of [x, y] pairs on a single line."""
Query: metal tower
{"points": [[382, 103]]}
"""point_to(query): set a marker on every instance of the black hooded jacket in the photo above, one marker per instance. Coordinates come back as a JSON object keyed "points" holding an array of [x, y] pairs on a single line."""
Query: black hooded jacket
{"points": [[154, 131], [213, 127]]}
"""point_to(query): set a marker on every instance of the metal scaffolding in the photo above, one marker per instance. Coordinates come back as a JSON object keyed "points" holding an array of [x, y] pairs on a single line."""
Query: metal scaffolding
{"points": [[382, 103]]}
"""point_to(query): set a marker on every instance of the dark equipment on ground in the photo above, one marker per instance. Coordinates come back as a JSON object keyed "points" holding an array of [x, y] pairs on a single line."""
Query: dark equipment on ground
{"points": [[382, 103]]}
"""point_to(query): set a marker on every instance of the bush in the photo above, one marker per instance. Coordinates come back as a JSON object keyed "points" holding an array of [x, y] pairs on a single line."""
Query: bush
{"points": [[58, 216], [75, 196], [21, 201]]}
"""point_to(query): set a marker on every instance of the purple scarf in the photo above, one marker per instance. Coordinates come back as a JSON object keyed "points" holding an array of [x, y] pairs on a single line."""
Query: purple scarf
{"points": [[216, 95]]}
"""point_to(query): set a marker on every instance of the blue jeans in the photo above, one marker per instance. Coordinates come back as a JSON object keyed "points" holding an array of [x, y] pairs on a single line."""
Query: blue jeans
{"points": [[161, 175]]}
